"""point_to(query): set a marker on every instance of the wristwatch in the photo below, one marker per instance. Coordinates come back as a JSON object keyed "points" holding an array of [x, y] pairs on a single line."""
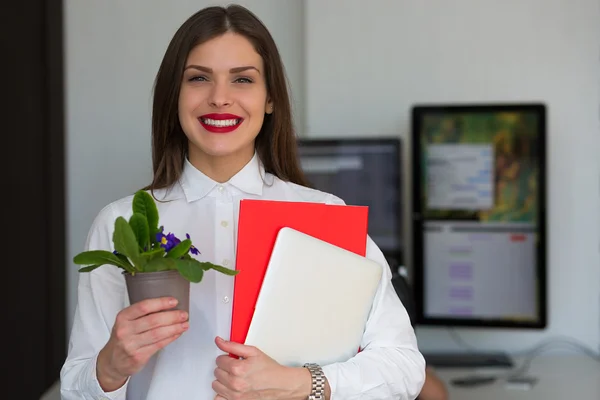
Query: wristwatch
{"points": [[318, 381]]}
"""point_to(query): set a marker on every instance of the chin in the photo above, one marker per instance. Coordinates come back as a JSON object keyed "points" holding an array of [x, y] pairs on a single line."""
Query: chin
{"points": [[224, 150]]}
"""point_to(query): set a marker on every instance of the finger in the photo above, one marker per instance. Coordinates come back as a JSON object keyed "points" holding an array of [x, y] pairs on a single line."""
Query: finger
{"points": [[222, 376], [227, 363], [157, 334], [221, 390], [148, 351], [165, 318], [148, 306], [240, 350]]}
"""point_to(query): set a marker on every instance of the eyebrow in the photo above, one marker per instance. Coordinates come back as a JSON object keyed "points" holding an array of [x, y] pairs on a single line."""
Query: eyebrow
{"points": [[235, 70]]}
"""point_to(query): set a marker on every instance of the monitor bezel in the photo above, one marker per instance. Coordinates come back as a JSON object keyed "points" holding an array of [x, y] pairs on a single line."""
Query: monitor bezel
{"points": [[417, 221], [396, 142]]}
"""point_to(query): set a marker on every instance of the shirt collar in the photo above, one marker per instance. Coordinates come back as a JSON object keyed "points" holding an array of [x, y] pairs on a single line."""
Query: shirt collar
{"points": [[249, 179]]}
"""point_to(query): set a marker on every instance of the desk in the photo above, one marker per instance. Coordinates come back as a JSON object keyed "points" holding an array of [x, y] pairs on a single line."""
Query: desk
{"points": [[559, 378]]}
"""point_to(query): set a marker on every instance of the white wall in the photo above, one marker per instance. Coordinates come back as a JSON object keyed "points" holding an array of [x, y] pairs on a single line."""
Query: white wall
{"points": [[113, 50], [367, 63], [355, 69]]}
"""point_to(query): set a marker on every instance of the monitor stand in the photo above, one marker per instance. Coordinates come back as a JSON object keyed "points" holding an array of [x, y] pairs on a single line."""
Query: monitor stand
{"points": [[468, 359]]}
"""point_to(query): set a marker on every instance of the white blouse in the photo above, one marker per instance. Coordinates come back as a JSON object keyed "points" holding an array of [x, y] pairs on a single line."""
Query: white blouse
{"points": [[389, 367]]}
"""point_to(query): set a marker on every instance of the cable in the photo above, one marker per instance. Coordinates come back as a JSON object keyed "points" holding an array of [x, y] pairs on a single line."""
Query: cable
{"points": [[552, 344], [460, 341], [532, 353], [560, 339]]}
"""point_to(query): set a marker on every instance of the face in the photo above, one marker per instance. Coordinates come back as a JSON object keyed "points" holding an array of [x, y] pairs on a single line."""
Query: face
{"points": [[223, 100]]}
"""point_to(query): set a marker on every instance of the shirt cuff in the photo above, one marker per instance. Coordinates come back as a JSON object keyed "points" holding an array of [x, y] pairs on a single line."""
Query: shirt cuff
{"points": [[330, 374], [96, 390]]}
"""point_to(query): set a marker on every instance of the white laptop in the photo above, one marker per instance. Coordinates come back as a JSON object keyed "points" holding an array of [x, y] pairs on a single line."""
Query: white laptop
{"points": [[314, 301]]}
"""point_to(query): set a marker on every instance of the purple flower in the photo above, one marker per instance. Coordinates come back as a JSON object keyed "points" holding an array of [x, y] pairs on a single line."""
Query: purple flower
{"points": [[193, 249], [159, 234], [168, 241]]}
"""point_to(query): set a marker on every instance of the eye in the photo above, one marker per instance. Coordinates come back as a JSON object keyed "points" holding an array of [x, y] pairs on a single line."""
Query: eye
{"points": [[243, 80], [197, 78]]}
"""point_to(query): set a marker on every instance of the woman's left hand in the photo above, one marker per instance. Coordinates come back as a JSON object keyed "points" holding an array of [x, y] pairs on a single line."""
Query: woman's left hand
{"points": [[256, 375]]}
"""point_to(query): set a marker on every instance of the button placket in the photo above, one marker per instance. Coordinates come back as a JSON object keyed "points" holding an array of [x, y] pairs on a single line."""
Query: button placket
{"points": [[224, 254]]}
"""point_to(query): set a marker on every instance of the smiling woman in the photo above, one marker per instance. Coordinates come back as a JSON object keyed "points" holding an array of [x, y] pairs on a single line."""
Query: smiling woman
{"points": [[221, 132], [222, 104], [232, 66]]}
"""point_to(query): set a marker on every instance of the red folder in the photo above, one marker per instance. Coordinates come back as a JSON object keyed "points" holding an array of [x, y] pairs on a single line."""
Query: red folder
{"points": [[259, 223]]}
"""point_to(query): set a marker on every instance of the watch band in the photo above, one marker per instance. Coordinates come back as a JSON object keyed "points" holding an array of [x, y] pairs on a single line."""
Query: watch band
{"points": [[318, 381]]}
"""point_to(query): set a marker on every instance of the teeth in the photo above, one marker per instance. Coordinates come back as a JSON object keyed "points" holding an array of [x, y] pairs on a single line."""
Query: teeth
{"points": [[220, 122]]}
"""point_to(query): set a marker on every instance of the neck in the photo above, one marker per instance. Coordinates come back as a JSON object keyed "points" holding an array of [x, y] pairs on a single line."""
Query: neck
{"points": [[219, 168]]}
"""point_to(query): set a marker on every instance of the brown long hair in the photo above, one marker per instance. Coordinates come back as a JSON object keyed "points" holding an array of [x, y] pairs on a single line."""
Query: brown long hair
{"points": [[276, 142]]}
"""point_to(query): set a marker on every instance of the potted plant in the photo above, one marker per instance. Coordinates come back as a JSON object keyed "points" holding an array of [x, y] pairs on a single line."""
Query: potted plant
{"points": [[155, 264]]}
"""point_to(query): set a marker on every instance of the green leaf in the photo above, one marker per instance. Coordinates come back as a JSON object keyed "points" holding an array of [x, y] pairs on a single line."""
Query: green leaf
{"points": [[144, 204], [152, 254], [180, 250], [101, 257], [90, 268], [126, 243], [190, 269], [125, 262], [139, 225], [207, 265], [160, 264]]}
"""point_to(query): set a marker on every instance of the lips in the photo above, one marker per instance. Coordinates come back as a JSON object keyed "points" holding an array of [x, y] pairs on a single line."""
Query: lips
{"points": [[220, 123]]}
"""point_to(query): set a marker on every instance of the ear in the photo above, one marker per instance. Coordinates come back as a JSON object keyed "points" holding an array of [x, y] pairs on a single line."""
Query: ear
{"points": [[269, 107]]}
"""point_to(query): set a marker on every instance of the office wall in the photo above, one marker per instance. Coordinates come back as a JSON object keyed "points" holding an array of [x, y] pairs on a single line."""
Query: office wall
{"points": [[113, 50], [355, 69], [366, 65]]}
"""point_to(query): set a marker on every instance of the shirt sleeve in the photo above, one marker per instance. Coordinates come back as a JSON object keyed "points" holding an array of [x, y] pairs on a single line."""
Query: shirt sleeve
{"points": [[100, 297], [389, 365]]}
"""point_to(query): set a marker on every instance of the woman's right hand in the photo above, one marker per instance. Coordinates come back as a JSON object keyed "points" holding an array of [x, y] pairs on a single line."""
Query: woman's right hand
{"points": [[140, 330]]}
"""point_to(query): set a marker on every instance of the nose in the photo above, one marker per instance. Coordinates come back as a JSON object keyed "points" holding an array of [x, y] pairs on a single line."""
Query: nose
{"points": [[220, 95]]}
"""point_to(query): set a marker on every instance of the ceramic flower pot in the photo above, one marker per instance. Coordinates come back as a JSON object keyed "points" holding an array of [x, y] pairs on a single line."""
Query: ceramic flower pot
{"points": [[148, 285]]}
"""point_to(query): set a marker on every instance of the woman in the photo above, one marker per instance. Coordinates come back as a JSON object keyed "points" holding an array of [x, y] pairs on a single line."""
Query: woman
{"points": [[221, 131], [433, 387]]}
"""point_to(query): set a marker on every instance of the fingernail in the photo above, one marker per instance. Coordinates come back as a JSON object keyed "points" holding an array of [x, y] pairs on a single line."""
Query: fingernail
{"points": [[185, 325], [173, 302], [184, 316]]}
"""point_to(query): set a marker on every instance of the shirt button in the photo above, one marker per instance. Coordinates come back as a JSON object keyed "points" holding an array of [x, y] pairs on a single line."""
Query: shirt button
{"points": [[224, 224], [225, 262], [221, 188], [226, 299]]}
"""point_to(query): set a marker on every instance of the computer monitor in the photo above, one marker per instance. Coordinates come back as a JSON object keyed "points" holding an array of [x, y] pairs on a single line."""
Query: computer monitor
{"points": [[366, 172], [479, 220]]}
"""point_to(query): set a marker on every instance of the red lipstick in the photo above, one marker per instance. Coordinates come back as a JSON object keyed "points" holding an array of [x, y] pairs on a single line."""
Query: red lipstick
{"points": [[220, 123]]}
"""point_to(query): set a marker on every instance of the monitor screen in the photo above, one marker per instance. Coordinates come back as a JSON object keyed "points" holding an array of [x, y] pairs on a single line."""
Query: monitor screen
{"points": [[362, 172], [479, 215]]}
